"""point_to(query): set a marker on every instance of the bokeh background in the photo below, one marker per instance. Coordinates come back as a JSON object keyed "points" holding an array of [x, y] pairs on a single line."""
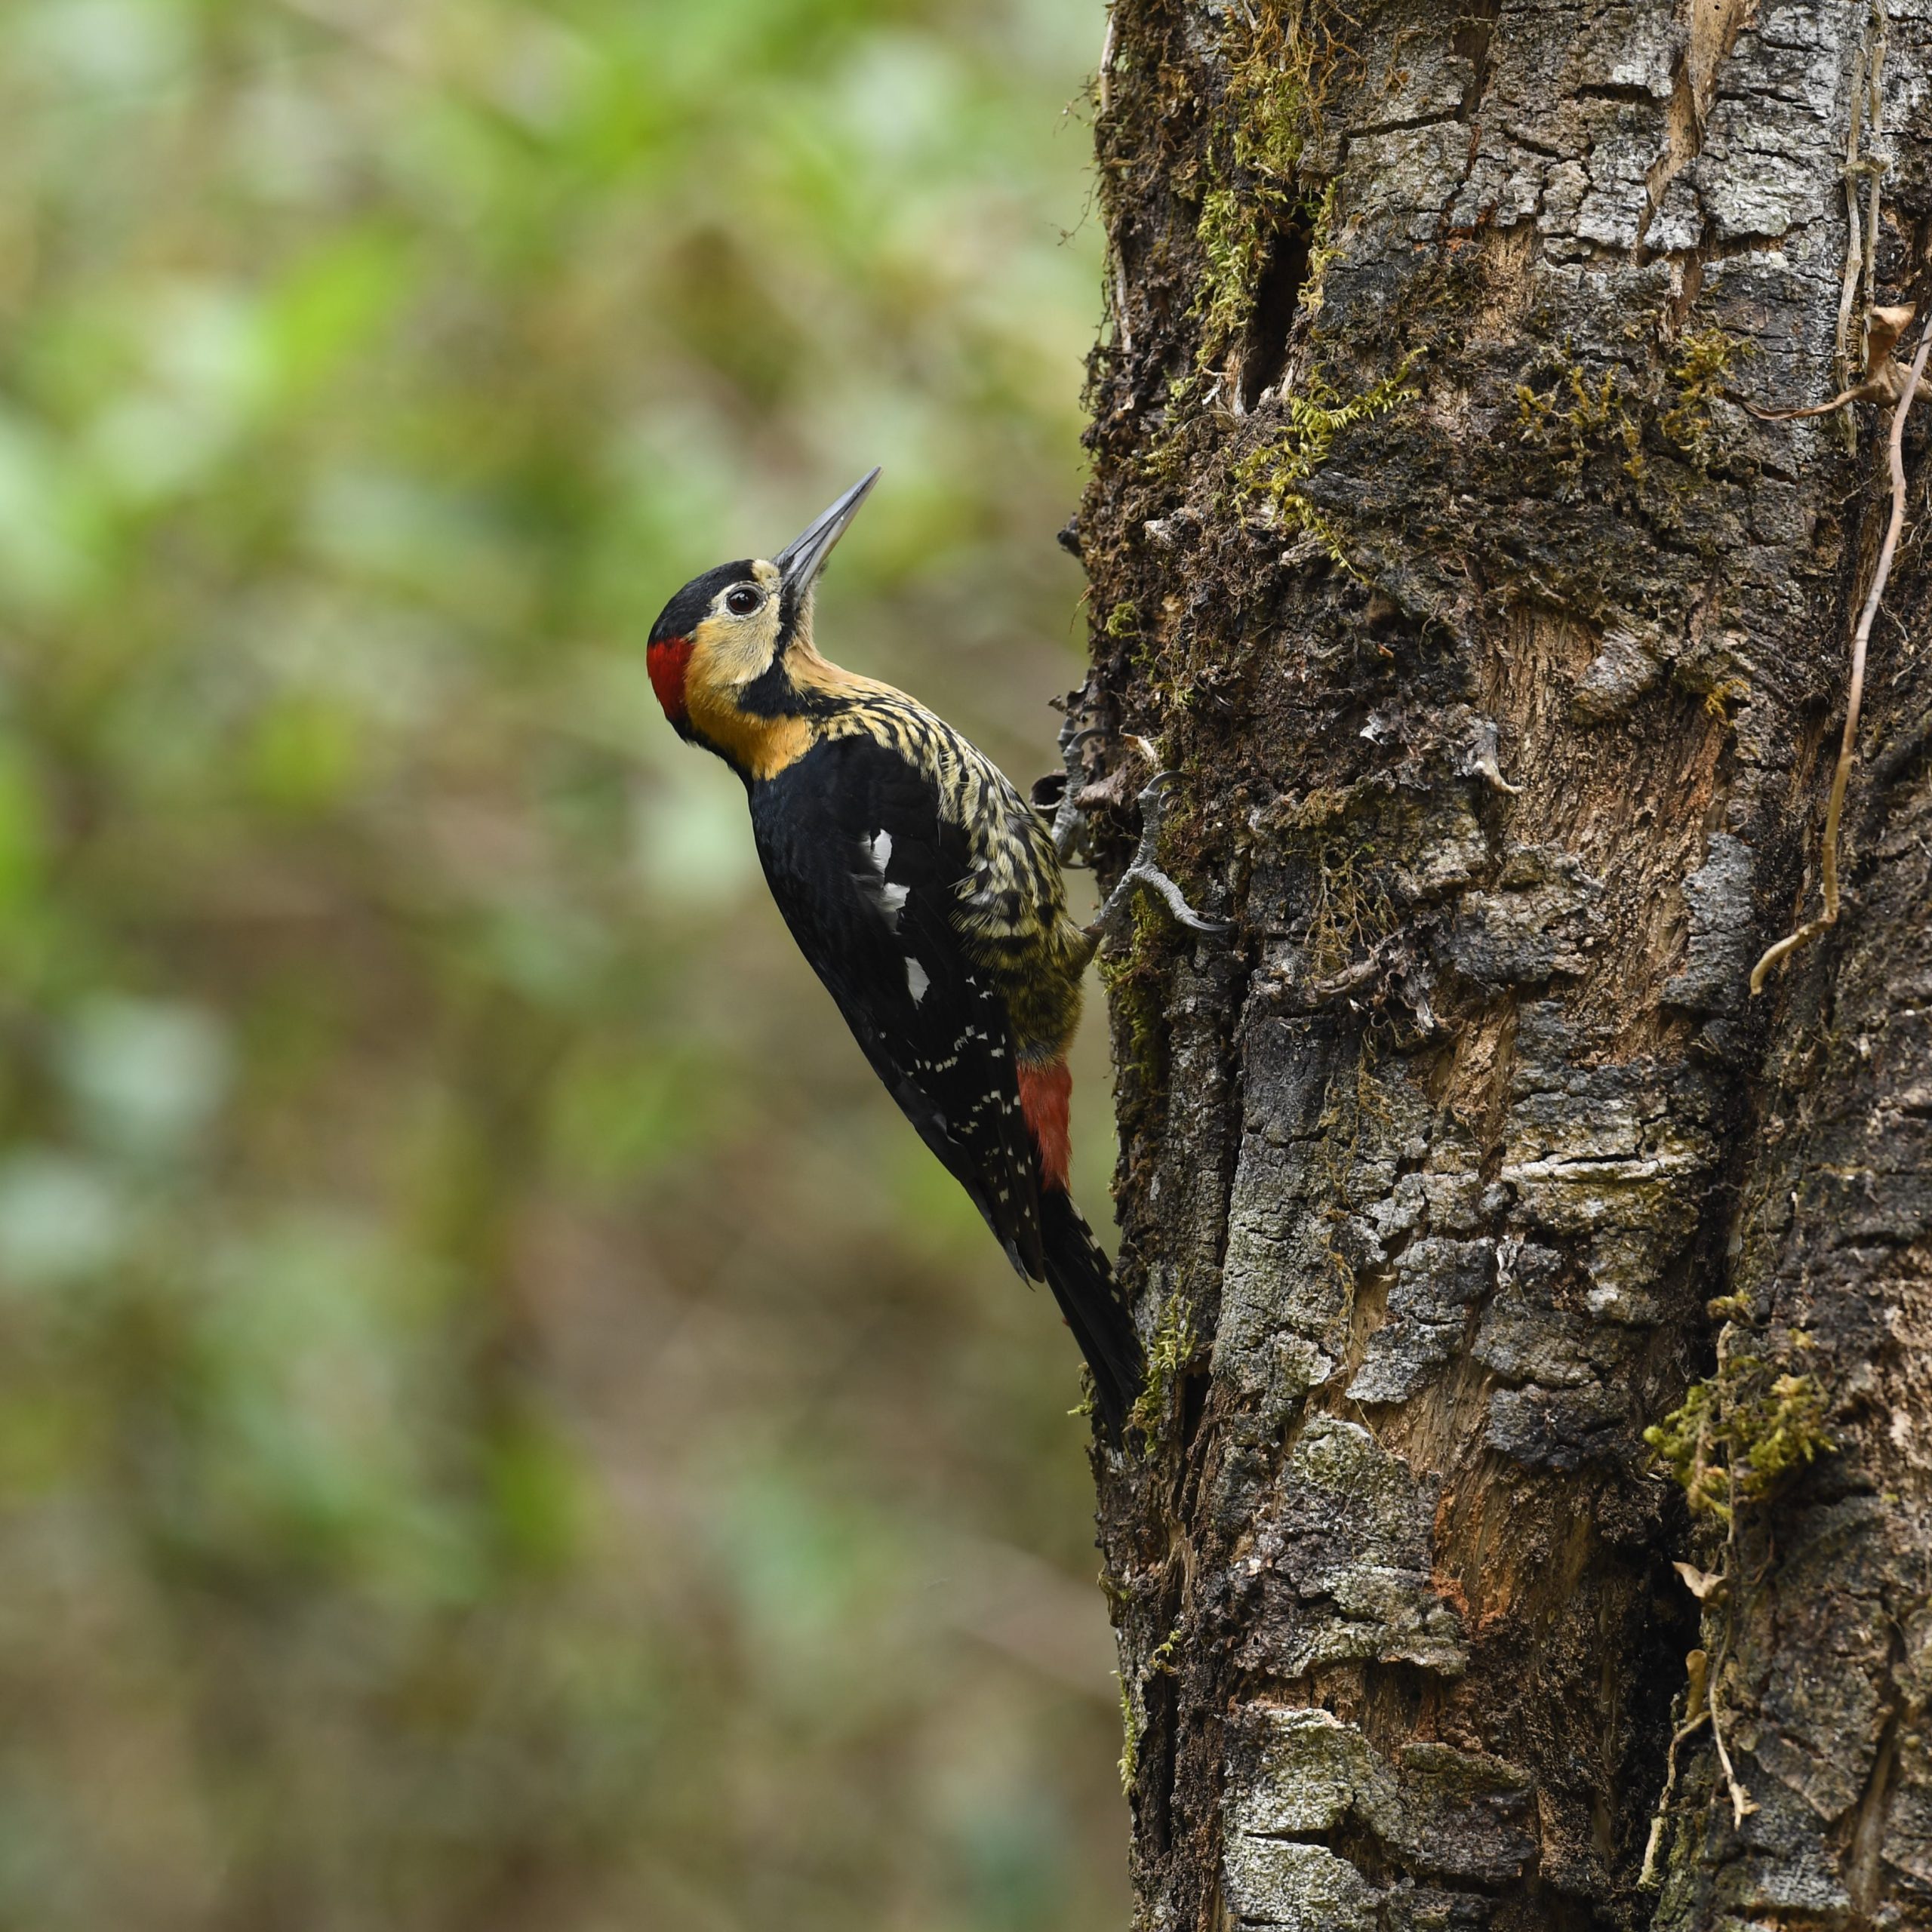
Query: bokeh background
{"points": [[501, 1425]]}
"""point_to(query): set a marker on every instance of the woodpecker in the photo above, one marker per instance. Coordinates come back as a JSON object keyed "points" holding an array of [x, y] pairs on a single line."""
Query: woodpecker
{"points": [[927, 894]]}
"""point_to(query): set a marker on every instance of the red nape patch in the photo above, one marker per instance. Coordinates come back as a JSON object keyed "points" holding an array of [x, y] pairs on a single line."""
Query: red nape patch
{"points": [[1046, 1094], [667, 660]]}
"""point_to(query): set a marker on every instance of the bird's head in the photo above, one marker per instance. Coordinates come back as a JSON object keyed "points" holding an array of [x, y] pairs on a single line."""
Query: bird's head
{"points": [[717, 653]]}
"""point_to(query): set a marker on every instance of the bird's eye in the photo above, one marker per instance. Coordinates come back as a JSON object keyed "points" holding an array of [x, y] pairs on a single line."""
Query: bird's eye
{"points": [[743, 600]]}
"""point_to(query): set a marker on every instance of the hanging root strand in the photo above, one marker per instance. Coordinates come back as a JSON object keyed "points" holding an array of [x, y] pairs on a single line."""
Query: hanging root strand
{"points": [[1908, 388]]}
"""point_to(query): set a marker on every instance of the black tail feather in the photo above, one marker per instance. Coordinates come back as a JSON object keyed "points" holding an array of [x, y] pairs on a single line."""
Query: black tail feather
{"points": [[1083, 1283]]}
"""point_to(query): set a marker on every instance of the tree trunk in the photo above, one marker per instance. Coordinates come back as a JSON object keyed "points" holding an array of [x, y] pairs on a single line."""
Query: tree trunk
{"points": [[1503, 657]]}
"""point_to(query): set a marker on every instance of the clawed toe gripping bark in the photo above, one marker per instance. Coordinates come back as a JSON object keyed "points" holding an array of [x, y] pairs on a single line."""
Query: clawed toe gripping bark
{"points": [[1145, 874], [1070, 827], [1070, 821]]}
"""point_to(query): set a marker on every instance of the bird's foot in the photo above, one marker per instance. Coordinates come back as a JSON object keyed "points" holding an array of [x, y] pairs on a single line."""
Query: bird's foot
{"points": [[1143, 873], [1069, 822]]}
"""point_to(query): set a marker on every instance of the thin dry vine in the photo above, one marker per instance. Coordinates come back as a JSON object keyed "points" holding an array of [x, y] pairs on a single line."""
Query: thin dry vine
{"points": [[1861, 638]]}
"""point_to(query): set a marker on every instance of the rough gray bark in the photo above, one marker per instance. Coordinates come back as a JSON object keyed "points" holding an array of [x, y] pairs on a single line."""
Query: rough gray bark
{"points": [[1502, 655]]}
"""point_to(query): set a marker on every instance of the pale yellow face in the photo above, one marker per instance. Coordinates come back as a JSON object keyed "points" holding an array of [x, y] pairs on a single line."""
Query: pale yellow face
{"points": [[733, 643], [732, 647]]}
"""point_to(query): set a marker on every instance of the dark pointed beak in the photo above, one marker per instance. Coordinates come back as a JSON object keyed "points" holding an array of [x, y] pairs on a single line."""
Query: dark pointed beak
{"points": [[800, 560]]}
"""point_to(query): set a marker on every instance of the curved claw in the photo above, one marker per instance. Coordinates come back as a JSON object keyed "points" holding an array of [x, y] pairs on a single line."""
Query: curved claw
{"points": [[1157, 881], [1145, 871], [1072, 735]]}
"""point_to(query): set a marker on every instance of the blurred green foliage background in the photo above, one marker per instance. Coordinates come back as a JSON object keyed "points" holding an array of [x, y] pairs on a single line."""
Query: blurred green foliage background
{"points": [[501, 1424]]}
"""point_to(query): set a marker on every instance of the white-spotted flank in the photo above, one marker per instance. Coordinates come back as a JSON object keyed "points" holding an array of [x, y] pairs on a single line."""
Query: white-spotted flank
{"points": [[890, 899]]}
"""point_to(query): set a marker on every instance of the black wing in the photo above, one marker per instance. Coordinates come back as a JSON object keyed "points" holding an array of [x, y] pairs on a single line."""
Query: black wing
{"points": [[866, 874]]}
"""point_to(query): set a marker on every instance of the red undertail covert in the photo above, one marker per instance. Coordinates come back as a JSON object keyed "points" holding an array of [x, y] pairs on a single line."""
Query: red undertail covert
{"points": [[1045, 1096]]}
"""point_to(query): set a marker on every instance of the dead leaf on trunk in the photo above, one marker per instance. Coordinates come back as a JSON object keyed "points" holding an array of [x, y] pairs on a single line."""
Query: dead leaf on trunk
{"points": [[1884, 380]]}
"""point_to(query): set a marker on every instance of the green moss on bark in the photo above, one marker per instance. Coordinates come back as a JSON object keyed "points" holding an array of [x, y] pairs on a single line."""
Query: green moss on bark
{"points": [[1279, 59]]}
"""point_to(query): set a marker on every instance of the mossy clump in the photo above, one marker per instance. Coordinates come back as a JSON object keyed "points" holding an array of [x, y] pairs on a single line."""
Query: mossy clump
{"points": [[1738, 1437], [1722, 695], [1580, 415], [1136, 992], [1706, 359], [1167, 1355], [1577, 418], [1160, 1663], [1353, 911], [1323, 248], [1130, 1747], [1278, 57], [1230, 235], [1271, 478]]}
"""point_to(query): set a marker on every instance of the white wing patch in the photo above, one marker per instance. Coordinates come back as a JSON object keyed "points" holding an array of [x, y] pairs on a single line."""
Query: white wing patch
{"points": [[917, 980], [890, 899]]}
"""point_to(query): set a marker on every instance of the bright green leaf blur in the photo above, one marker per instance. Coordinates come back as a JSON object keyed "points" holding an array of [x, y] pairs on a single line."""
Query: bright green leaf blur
{"points": [[501, 1425]]}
